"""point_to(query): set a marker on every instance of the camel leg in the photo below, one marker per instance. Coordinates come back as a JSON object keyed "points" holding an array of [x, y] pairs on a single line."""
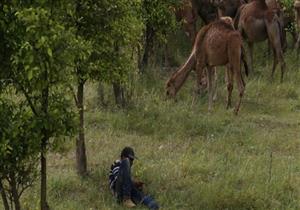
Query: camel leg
{"points": [[235, 52], [241, 88], [279, 55], [215, 83], [274, 32], [199, 75], [210, 86], [275, 62], [229, 75]]}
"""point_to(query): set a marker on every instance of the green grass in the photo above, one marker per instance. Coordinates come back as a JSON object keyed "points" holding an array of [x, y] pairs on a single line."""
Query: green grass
{"points": [[189, 158]]}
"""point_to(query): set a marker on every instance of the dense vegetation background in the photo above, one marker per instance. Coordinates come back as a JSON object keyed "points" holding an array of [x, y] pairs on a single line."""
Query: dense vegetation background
{"points": [[82, 79]]}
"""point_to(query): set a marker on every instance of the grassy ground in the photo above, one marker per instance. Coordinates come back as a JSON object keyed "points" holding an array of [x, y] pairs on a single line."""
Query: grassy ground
{"points": [[190, 159]]}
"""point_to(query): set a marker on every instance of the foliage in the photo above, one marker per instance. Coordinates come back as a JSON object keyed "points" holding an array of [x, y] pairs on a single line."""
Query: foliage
{"points": [[112, 28], [19, 147], [41, 62], [18, 136], [288, 5], [159, 16], [38, 63]]}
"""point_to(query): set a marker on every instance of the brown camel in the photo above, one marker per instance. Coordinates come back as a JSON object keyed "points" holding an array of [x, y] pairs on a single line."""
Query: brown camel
{"points": [[216, 44], [228, 7], [297, 14], [286, 17], [206, 10], [257, 22], [187, 14]]}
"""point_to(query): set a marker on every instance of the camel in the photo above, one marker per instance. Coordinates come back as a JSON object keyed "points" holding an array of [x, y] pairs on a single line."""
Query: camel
{"points": [[297, 15], [228, 7], [187, 15], [206, 10], [287, 19], [216, 44], [257, 22]]}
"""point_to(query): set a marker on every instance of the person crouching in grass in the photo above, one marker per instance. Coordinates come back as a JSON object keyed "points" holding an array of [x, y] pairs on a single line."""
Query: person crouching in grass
{"points": [[123, 187]]}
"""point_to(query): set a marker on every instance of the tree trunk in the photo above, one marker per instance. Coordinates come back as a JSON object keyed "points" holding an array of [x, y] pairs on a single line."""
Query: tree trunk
{"points": [[44, 204], [101, 97], [44, 142], [4, 197], [14, 191], [148, 46], [81, 159], [119, 94]]}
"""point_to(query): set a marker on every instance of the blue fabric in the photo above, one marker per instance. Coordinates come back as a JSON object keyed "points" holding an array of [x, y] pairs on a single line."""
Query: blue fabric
{"points": [[124, 185], [150, 203]]}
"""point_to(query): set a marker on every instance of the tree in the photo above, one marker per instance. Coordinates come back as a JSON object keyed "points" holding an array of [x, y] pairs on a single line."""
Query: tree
{"points": [[40, 59], [102, 27], [156, 18], [18, 151]]}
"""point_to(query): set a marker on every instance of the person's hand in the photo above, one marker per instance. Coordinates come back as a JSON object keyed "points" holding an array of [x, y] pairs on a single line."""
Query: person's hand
{"points": [[139, 185]]}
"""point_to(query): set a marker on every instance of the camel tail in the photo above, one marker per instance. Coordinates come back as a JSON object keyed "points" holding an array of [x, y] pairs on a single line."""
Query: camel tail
{"points": [[243, 55]]}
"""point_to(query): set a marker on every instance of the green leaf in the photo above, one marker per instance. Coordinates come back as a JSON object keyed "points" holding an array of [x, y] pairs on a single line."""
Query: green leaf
{"points": [[49, 51], [30, 75]]}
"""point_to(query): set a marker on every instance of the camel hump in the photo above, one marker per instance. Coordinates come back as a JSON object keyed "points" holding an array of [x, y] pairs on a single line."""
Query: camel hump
{"points": [[223, 23], [228, 20]]}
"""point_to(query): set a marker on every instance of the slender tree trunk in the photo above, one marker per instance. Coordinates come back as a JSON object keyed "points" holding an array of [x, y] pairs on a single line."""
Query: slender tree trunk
{"points": [[14, 191], [117, 87], [44, 204], [81, 159], [148, 46], [44, 142], [101, 94], [4, 197], [119, 94]]}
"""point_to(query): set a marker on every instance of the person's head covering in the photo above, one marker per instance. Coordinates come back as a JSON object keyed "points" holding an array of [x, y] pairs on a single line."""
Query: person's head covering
{"points": [[128, 152]]}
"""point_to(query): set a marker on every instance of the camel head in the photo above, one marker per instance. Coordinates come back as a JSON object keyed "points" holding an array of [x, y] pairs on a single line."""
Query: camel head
{"points": [[170, 89]]}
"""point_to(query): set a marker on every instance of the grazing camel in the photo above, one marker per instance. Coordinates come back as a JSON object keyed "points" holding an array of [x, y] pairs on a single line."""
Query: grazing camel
{"points": [[297, 14], [257, 22], [216, 44]]}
